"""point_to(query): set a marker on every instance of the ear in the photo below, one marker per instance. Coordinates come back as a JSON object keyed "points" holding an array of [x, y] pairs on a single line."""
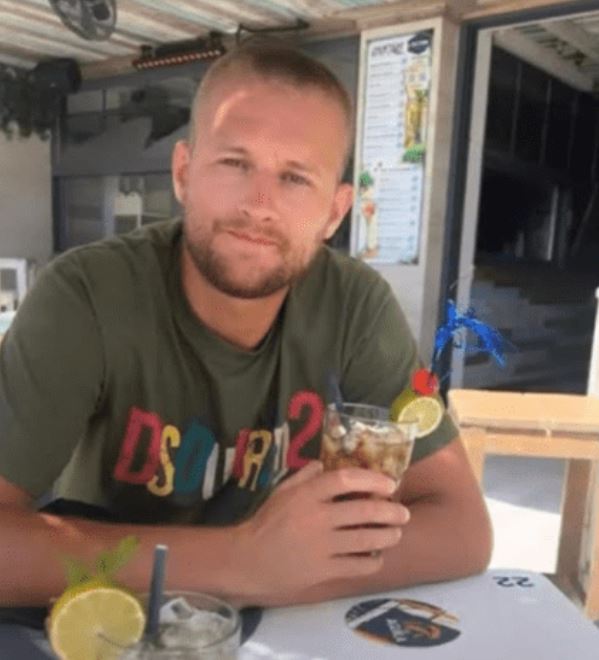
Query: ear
{"points": [[180, 169], [342, 201]]}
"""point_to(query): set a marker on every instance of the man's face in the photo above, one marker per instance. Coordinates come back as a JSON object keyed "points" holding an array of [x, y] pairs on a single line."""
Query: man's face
{"points": [[260, 187]]}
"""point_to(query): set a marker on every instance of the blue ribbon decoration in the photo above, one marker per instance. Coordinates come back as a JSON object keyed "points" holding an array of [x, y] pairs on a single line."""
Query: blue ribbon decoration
{"points": [[490, 340]]}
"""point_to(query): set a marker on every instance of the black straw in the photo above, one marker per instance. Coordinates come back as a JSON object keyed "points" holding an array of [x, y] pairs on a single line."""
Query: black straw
{"points": [[156, 589], [335, 392]]}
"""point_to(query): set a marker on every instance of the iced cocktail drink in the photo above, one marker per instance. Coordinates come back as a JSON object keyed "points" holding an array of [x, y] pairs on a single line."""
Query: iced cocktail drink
{"points": [[192, 625], [359, 435]]}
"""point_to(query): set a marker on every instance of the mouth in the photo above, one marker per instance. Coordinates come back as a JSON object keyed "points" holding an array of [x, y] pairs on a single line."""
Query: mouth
{"points": [[251, 238]]}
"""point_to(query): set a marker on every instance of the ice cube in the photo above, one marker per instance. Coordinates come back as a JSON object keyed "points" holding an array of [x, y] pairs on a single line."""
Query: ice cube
{"points": [[199, 630], [337, 431], [350, 442], [177, 609]]}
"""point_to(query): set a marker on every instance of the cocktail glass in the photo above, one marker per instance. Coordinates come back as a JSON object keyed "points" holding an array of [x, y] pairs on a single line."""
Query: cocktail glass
{"points": [[192, 625], [361, 435]]}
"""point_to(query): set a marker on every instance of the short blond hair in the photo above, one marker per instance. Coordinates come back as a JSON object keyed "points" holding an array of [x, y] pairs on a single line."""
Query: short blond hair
{"points": [[272, 60]]}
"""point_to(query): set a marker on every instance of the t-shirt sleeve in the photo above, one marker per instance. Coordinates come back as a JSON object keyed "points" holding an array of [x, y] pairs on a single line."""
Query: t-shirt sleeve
{"points": [[382, 359], [51, 372]]}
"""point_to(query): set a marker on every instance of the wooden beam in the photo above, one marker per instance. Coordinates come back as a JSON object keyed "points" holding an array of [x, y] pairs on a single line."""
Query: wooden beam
{"points": [[115, 66], [555, 446], [458, 8], [590, 555], [543, 58], [574, 35], [393, 12], [509, 6], [329, 28], [576, 487]]}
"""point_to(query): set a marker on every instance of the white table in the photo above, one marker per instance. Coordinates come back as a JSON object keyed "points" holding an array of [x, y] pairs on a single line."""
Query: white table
{"points": [[500, 615]]}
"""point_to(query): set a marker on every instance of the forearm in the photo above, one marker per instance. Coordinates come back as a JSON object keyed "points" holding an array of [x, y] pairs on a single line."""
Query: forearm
{"points": [[34, 545], [442, 541]]}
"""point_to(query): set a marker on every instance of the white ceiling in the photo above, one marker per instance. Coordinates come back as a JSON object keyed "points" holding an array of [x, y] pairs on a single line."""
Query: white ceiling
{"points": [[30, 31], [566, 48]]}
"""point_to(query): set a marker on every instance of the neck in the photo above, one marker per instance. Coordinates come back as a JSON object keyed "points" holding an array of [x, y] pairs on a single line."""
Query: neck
{"points": [[242, 322]]}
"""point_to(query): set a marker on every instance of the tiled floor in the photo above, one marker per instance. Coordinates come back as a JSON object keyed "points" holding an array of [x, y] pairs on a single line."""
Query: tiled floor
{"points": [[524, 496]]}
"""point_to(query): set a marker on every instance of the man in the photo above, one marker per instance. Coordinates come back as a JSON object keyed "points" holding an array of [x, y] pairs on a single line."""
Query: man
{"points": [[171, 376]]}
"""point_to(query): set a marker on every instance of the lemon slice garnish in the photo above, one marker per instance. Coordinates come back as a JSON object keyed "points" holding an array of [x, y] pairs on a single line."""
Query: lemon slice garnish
{"points": [[95, 621], [426, 411]]}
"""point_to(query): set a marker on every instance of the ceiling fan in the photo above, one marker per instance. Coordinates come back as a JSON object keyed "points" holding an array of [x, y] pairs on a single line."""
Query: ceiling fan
{"points": [[93, 20]]}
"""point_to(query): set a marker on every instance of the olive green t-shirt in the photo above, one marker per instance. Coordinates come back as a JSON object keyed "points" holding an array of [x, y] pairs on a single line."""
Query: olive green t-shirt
{"points": [[113, 393]]}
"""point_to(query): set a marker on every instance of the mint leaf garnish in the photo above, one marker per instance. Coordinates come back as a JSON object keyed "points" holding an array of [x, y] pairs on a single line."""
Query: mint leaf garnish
{"points": [[110, 561], [106, 565], [77, 572]]}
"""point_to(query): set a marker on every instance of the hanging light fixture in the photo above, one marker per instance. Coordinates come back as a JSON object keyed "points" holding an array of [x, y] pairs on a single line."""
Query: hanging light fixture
{"points": [[180, 52]]}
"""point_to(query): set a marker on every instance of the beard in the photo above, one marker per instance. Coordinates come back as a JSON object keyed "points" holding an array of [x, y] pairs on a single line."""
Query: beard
{"points": [[217, 269]]}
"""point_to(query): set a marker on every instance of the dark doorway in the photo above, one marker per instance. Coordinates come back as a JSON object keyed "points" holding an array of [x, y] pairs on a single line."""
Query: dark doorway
{"points": [[536, 252]]}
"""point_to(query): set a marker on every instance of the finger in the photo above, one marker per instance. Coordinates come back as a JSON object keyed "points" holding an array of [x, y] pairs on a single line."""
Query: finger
{"points": [[308, 472], [364, 539], [355, 480], [364, 511]]}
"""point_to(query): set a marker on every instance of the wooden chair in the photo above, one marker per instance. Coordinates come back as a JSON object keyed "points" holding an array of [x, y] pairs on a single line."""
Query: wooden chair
{"points": [[549, 426]]}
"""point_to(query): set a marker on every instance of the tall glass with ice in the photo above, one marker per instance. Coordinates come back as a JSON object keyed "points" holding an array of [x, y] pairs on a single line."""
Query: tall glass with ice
{"points": [[360, 435], [191, 625]]}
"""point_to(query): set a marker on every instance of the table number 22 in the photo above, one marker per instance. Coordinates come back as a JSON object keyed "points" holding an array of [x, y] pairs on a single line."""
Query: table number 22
{"points": [[514, 581]]}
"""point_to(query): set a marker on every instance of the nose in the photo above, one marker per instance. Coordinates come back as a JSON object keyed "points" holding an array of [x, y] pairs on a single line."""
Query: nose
{"points": [[258, 198]]}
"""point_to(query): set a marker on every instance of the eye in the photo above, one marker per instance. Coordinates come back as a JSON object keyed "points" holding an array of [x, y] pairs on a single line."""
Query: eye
{"points": [[234, 162], [295, 179]]}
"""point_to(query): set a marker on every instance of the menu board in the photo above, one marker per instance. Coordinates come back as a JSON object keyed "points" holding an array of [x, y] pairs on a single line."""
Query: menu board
{"points": [[387, 215]]}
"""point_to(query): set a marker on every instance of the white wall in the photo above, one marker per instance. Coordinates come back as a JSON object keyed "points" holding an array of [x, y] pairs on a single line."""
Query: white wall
{"points": [[25, 199]]}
